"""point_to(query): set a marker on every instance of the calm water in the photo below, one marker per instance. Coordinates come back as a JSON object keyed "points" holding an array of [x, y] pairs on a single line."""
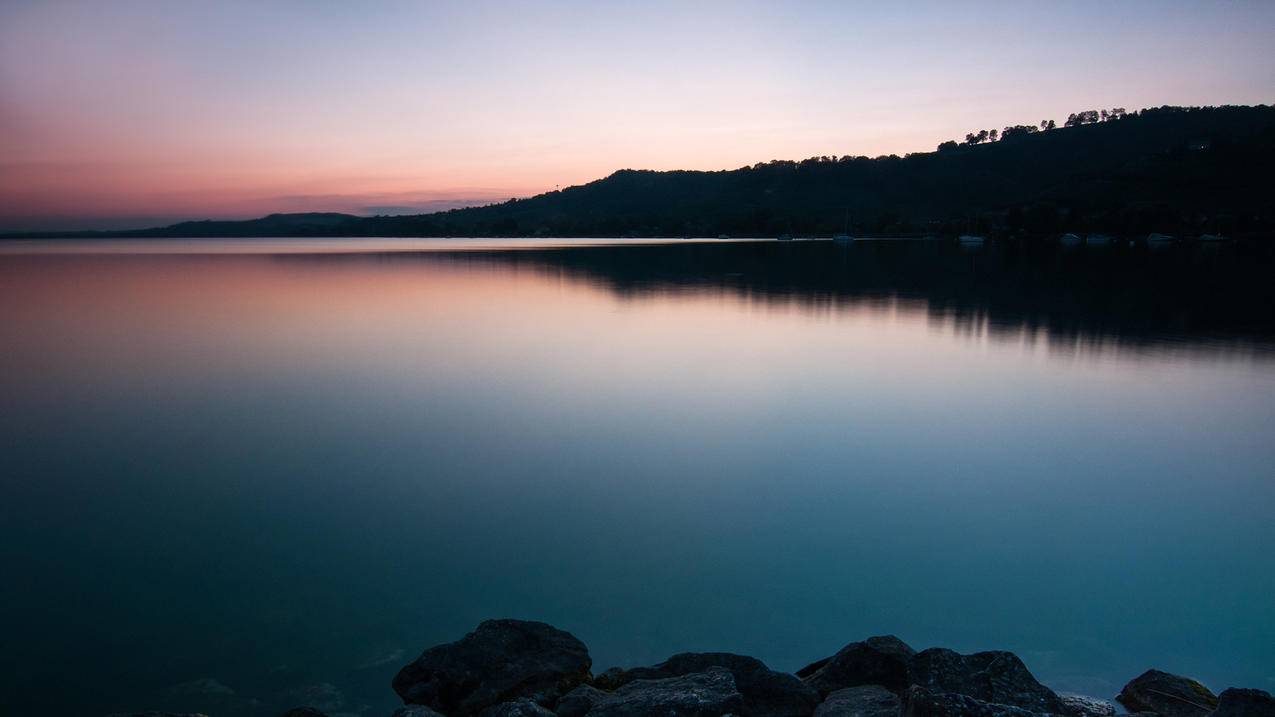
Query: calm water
{"points": [[241, 475]]}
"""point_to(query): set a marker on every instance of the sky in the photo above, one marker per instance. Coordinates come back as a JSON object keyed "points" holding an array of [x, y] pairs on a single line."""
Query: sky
{"points": [[139, 112]]}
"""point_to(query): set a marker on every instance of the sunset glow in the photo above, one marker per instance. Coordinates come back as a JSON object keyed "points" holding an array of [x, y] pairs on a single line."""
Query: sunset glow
{"points": [[141, 112]]}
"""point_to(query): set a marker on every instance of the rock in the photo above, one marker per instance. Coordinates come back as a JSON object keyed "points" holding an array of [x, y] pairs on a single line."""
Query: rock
{"points": [[415, 711], [1167, 695], [157, 714], [1082, 706], [920, 702], [861, 701], [875, 661], [303, 712], [766, 693], [518, 708], [1244, 703], [707, 694], [579, 701], [996, 677], [500, 661]]}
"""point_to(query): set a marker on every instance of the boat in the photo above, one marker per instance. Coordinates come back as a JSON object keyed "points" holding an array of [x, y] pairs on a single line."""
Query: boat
{"points": [[723, 236], [785, 237], [1154, 238], [971, 239], [844, 237], [1070, 240], [1212, 237]]}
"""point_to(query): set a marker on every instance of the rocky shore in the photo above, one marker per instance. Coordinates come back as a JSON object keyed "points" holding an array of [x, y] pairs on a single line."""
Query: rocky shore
{"points": [[516, 668]]}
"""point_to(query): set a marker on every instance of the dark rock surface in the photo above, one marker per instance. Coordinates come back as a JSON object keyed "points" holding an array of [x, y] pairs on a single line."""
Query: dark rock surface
{"points": [[1245, 703], [500, 661], [875, 661], [1082, 706], [707, 694], [303, 712], [861, 701], [579, 701], [415, 711], [518, 708], [766, 693], [1167, 695], [995, 677], [920, 702], [157, 714]]}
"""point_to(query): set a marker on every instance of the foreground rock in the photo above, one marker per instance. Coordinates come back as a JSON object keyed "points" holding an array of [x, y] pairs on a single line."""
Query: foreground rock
{"points": [[920, 702], [862, 701], [415, 711], [1082, 706], [1167, 695], [1245, 703], [994, 677], [875, 661], [520, 708], [706, 694], [766, 693], [501, 661], [579, 701]]}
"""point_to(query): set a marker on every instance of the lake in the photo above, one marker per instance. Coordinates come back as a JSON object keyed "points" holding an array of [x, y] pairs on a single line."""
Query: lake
{"points": [[242, 475]]}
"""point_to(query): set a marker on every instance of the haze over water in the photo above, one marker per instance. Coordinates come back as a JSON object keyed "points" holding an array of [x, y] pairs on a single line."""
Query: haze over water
{"points": [[291, 466]]}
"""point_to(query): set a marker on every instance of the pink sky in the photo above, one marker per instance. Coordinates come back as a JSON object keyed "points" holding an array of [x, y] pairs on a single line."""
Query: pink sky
{"points": [[147, 112]]}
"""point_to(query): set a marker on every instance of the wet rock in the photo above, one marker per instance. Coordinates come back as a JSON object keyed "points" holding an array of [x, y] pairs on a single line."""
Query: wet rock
{"points": [[303, 712], [415, 711], [1245, 703], [920, 702], [1167, 695], [861, 701], [707, 694], [518, 708], [500, 661], [766, 693], [875, 661], [1082, 706], [579, 701], [157, 714], [995, 677]]}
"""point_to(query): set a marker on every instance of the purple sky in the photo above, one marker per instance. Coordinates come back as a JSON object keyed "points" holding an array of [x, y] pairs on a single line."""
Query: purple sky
{"points": [[137, 112]]}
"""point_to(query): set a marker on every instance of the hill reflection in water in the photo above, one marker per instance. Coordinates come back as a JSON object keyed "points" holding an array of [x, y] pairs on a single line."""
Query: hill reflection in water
{"points": [[1212, 300]]}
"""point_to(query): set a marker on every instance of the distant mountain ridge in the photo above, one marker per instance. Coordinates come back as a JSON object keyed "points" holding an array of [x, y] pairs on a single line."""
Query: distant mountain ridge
{"points": [[1172, 170]]}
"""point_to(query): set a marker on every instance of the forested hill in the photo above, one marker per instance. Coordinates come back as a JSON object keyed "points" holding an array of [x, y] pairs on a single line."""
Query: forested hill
{"points": [[1172, 170]]}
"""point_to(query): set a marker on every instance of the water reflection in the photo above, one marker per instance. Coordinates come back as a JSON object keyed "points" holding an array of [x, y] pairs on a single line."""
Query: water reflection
{"points": [[1218, 302]]}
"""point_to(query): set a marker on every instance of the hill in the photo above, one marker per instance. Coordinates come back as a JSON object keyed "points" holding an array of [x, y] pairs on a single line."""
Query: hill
{"points": [[1174, 170]]}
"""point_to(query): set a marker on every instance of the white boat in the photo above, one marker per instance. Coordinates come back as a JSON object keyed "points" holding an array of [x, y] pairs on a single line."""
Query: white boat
{"points": [[785, 237], [723, 236], [1212, 237], [1070, 240]]}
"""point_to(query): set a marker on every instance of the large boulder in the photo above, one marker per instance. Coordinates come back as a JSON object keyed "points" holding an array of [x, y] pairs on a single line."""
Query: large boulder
{"points": [[875, 661], [766, 693], [920, 702], [1244, 703], [706, 694], [500, 661], [1167, 695], [995, 677], [579, 701], [861, 701], [517, 708]]}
